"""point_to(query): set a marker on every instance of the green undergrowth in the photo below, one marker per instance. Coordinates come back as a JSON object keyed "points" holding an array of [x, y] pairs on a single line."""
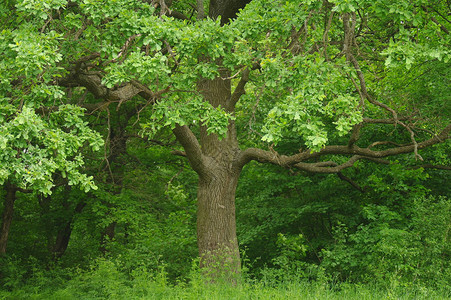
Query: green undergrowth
{"points": [[105, 280]]}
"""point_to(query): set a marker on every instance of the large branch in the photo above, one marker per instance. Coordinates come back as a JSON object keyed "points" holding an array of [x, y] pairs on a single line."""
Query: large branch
{"points": [[273, 157], [388, 152], [92, 81], [332, 167], [192, 147], [298, 160], [82, 76]]}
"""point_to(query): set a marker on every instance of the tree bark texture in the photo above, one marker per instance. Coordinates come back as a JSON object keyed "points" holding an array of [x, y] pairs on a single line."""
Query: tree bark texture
{"points": [[216, 229], [216, 224], [215, 161], [7, 216]]}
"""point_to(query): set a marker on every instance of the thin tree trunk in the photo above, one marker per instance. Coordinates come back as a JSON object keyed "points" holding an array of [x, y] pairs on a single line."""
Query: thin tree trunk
{"points": [[117, 141], [63, 236], [7, 216], [62, 241], [107, 236], [200, 9]]}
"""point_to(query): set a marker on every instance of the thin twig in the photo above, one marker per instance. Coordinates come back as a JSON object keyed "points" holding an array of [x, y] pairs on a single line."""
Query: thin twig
{"points": [[105, 146]]}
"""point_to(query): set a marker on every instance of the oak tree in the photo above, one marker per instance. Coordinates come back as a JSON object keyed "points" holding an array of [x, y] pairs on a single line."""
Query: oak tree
{"points": [[235, 81]]}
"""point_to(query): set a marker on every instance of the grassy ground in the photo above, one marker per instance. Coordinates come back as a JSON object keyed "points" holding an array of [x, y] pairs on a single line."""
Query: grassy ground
{"points": [[151, 289], [106, 281]]}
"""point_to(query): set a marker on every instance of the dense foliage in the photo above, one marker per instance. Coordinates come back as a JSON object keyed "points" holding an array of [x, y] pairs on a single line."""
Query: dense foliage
{"points": [[126, 123]]}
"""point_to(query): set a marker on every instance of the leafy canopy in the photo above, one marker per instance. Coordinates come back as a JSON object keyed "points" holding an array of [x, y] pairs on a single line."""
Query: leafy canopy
{"points": [[303, 83]]}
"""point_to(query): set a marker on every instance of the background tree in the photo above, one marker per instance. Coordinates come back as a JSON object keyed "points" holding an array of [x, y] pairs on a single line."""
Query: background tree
{"points": [[38, 152], [301, 85]]}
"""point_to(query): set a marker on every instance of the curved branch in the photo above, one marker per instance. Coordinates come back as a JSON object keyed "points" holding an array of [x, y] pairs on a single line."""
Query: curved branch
{"points": [[313, 168], [239, 90], [273, 157], [297, 160], [331, 167], [92, 81], [192, 147], [349, 37], [405, 148], [355, 134], [402, 149], [347, 47], [350, 181], [177, 15], [378, 143]]}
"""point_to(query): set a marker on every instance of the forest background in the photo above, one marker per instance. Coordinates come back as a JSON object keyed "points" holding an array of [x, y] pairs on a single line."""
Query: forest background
{"points": [[225, 149]]}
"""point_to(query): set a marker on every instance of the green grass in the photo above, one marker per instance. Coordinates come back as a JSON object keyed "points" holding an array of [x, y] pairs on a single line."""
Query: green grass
{"points": [[105, 280], [147, 288]]}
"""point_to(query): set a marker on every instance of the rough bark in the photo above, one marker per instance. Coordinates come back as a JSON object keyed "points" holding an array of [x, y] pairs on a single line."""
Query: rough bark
{"points": [[216, 229], [216, 224], [7, 216], [215, 161]]}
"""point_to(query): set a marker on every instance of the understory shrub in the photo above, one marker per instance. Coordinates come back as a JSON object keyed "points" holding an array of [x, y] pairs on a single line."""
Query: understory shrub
{"points": [[394, 249]]}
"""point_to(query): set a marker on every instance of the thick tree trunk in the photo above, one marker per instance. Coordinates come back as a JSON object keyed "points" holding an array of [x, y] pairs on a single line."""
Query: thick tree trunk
{"points": [[216, 226], [215, 161], [7, 216]]}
